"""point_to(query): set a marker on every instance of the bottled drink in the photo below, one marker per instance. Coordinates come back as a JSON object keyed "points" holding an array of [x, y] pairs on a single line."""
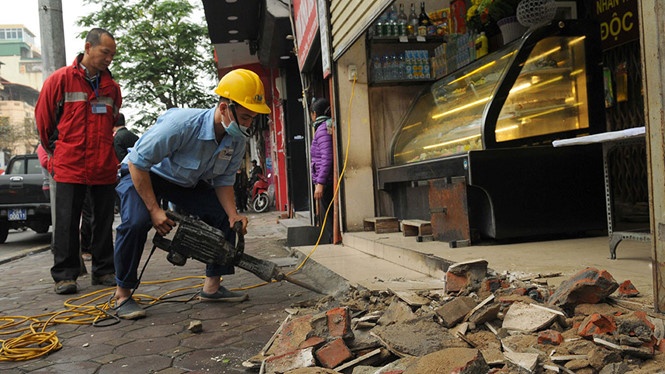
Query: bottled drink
{"points": [[392, 21], [423, 21], [412, 24], [402, 21]]}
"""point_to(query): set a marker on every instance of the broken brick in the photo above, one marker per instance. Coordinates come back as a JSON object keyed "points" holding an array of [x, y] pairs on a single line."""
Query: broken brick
{"points": [[587, 286], [627, 289], [455, 310], [465, 276], [552, 337], [333, 353], [635, 324], [292, 334], [339, 323], [596, 324], [313, 341]]}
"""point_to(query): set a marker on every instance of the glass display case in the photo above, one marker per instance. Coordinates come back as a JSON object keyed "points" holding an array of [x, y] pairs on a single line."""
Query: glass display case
{"points": [[531, 91], [491, 125]]}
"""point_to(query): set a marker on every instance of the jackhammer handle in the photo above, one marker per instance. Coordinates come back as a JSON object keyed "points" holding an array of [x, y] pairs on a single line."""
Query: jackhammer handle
{"points": [[174, 216], [240, 240]]}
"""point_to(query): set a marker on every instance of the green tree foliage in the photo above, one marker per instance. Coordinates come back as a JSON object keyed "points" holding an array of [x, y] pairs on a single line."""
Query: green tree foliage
{"points": [[163, 57]]}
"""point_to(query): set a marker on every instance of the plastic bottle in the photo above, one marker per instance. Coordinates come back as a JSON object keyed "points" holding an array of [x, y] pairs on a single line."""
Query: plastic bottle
{"points": [[482, 45]]}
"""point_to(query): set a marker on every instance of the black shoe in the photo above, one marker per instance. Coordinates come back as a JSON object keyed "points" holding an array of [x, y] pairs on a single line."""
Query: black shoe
{"points": [[223, 294], [105, 280], [65, 287]]}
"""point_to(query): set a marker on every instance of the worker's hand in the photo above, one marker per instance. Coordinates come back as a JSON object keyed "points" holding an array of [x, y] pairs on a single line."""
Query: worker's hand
{"points": [[318, 191], [161, 222], [239, 218]]}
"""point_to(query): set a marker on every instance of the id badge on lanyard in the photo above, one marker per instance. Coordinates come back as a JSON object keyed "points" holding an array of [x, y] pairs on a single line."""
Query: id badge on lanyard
{"points": [[97, 106]]}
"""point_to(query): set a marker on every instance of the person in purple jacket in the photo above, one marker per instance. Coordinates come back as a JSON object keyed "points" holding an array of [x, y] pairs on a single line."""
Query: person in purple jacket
{"points": [[321, 154]]}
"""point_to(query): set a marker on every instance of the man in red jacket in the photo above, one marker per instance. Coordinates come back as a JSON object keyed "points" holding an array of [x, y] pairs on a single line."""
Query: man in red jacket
{"points": [[75, 113]]}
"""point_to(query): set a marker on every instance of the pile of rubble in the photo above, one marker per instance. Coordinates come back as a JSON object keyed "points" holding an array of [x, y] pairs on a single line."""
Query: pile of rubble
{"points": [[478, 323]]}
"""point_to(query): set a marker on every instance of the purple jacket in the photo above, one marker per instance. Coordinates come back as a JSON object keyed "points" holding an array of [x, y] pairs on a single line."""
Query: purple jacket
{"points": [[322, 153]]}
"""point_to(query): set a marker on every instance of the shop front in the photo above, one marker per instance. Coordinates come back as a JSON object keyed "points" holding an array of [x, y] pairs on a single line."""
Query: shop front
{"points": [[468, 143]]}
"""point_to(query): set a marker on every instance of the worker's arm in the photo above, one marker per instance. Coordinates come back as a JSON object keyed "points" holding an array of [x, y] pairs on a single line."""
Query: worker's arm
{"points": [[226, 197], [143, 186]]}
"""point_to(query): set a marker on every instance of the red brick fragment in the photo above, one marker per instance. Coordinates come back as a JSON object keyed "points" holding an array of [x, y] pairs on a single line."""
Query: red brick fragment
{"points": [[333, 354], [339, 323], [552, 337], [588, 286], [627, 289], [314, 341], [596, 324]]}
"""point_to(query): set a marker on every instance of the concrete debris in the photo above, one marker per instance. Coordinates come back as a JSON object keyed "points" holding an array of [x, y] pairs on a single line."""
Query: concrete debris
{"points": [[528, 361], [524, 317], [195, 326], [479, 322]]}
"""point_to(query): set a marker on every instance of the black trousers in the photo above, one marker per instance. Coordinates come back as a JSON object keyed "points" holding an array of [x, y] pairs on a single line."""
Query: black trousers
{"points": [[66, 236], [327, 197]]}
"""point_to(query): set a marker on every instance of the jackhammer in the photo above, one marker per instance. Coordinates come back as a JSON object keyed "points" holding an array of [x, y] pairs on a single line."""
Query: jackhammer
{"points": [[200, 241]]}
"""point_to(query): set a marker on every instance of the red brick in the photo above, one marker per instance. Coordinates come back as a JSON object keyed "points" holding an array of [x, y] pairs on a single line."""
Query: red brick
{"points": [[292, 334], [588, 286], [456, 283], [552, 337], [339, 323], [627, 289], [333, 354], [314, 341], [596, 324]]}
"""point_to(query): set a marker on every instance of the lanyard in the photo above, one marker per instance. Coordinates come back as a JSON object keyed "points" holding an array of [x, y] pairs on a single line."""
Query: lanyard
{"points": [[95, 85]]}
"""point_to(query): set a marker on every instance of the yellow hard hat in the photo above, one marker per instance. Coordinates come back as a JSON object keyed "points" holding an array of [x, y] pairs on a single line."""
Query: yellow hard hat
{"points": [[245, 88]]}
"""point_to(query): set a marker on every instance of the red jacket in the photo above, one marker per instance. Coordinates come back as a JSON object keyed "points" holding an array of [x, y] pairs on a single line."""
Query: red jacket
{"points": [[80, 141]]}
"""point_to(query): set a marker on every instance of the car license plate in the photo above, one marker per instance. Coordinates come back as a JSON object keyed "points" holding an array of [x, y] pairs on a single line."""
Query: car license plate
{"points": [[17, 215]]}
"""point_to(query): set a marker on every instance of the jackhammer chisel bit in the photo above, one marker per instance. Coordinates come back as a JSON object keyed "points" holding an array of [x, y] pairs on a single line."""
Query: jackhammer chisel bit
{"points": [[198, 240]]}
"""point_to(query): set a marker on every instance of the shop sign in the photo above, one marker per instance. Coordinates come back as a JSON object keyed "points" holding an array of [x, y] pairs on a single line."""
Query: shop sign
{"points": [[618, 20], [307, 25]]}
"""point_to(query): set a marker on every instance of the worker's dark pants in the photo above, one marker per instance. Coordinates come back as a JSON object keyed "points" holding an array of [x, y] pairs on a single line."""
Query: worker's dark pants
{"points": [[132, 233], [328, 193], [66, 240]]}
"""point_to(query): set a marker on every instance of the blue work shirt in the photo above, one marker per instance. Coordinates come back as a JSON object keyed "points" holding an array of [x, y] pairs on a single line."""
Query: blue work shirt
{"points": [[181, 148]]}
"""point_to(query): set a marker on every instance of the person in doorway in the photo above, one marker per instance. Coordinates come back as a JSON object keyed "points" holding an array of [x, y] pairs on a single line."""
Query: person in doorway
{"points": [[75, 113], [189, 157], [321, 153]]}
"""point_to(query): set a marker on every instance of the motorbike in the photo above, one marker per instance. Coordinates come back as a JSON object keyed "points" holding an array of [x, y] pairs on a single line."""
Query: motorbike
{"points": [[260, 198]]}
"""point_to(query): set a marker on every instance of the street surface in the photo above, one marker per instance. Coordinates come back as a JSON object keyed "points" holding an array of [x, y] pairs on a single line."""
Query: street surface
{"points": [[22, 242], [162, 342]]}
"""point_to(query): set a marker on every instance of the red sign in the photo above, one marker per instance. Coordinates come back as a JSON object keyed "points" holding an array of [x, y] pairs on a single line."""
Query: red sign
{"points": [[307, 25]]}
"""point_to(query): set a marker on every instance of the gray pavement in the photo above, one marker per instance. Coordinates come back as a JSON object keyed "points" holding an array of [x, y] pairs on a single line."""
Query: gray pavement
{"points": [[160, 343]]}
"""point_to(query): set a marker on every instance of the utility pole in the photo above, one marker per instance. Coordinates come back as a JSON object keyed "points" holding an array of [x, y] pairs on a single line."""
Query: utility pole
{"points": [[52, 34]]}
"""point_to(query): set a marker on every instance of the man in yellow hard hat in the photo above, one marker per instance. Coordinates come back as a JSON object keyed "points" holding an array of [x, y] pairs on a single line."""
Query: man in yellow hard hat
{"points": [[188, 157]]}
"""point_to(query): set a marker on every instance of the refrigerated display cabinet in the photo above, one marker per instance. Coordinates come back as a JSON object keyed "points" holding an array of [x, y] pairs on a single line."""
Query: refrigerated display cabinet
{"points": [[490, 126]]}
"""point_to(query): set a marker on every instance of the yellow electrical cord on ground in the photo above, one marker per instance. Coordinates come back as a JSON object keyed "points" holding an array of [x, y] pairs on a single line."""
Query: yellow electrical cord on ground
{"points": [[81, 310], [37, 342]]}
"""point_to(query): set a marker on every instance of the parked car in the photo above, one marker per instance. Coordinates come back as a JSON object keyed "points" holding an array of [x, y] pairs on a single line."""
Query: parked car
{"points": [[24, 196]]}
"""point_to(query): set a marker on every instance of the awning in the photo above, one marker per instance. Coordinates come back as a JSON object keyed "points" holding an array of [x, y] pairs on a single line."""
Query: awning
{"points": [[249, 31]]}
